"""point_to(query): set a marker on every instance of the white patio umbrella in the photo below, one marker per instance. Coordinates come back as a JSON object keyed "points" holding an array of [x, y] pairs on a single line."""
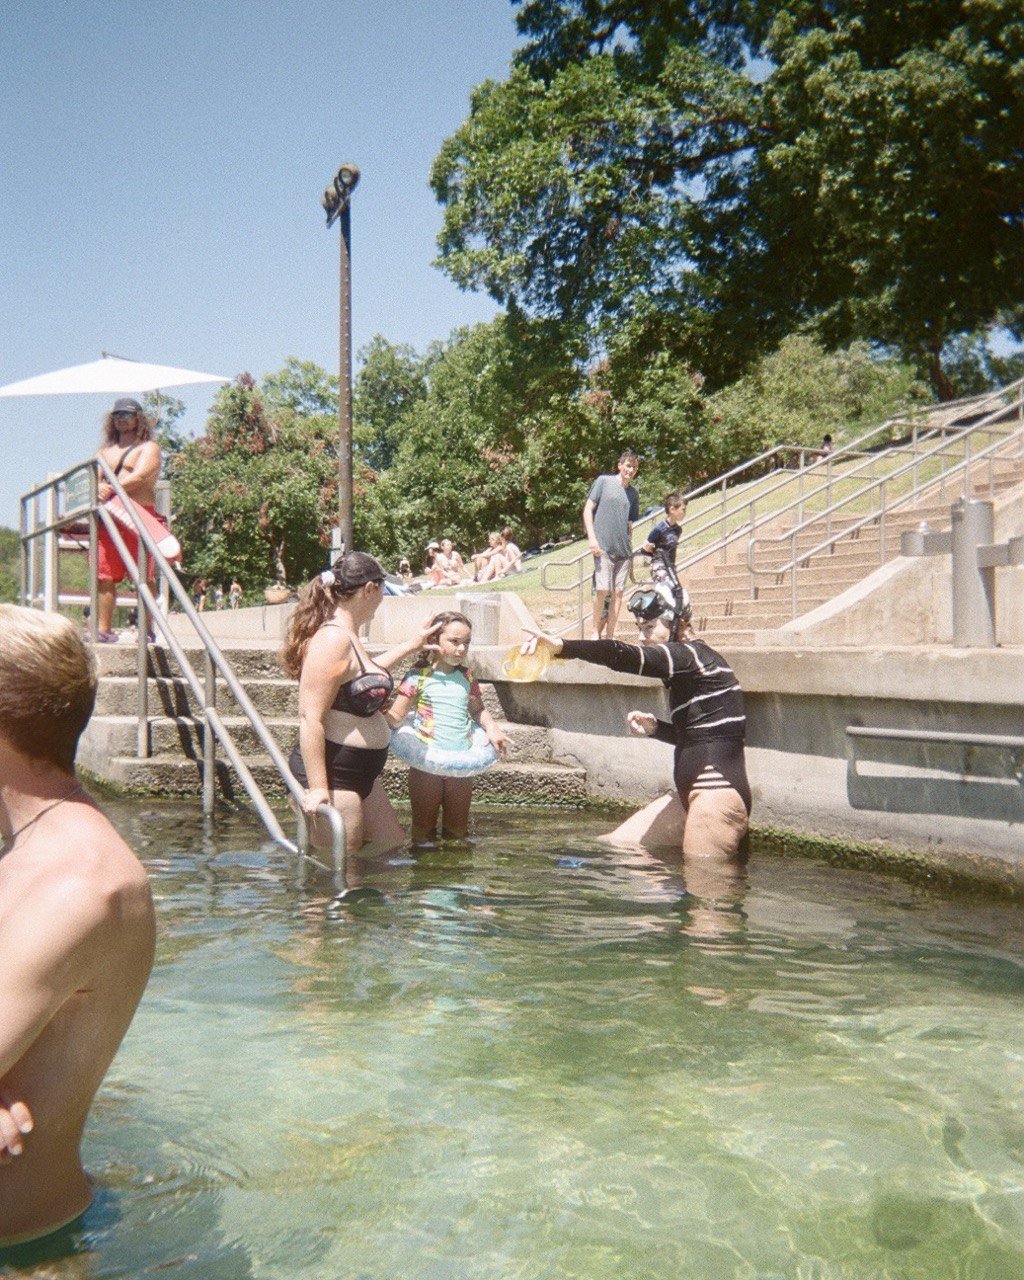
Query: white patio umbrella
{"points": [[110, 375]]}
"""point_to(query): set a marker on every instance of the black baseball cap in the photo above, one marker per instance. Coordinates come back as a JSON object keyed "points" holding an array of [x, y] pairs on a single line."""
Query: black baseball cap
{"points": [[126, 405]]}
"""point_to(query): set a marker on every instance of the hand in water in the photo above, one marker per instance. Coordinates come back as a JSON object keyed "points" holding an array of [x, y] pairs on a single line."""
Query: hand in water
{"points": [[15, 1122], [641, 723]]}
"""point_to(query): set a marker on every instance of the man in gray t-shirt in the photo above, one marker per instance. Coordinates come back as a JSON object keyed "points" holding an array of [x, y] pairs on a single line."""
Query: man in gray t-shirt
{"points": [[608, 514]]}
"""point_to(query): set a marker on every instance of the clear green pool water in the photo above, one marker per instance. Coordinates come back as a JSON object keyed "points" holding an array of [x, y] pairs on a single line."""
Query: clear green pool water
{"points": [[537, 1059]]}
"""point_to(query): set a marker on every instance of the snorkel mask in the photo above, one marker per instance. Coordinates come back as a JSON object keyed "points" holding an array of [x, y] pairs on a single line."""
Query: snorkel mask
{"points": [[666, 599]]}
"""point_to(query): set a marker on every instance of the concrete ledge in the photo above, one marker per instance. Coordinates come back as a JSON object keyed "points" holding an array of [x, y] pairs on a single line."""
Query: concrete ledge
{"points": [[805, 776], [397, 618]]}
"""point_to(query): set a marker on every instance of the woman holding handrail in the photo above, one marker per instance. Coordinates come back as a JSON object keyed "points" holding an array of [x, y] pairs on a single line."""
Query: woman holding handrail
{"points": [[343, 735]]}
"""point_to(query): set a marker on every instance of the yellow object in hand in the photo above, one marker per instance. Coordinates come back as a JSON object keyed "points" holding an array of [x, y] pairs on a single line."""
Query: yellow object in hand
{"points": [[522, 668]]}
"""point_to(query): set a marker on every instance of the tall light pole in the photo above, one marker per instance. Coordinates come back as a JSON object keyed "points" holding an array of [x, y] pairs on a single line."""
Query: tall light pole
{"points": [[336, 204]]}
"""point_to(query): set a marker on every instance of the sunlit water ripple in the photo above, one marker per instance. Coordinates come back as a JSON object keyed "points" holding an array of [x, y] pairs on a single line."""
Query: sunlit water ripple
{"points": [[536, 1057]]}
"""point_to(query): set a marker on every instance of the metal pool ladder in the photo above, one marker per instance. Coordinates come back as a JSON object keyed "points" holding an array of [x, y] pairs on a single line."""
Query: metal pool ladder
{"points": [[71, 498]]}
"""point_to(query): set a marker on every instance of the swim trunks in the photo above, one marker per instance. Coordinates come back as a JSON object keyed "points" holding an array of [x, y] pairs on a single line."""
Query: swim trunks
{"points": [[109, 565]]}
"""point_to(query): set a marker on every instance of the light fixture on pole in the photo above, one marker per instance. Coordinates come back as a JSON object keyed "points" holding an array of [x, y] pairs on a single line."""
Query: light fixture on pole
{"points": [[336, 205]]}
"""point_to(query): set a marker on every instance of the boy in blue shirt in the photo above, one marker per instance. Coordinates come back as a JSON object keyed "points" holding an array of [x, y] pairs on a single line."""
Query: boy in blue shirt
{"points": [[665, 534]]}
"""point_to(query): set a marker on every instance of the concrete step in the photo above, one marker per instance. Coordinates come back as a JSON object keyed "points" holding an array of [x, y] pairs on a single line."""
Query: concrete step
{"points": [[748, 613], [116, 735], [172, 696], [170, 775], [247, 663], [730, 638]]}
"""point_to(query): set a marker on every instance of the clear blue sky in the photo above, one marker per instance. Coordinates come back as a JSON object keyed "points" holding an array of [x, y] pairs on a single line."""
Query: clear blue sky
{"points": [[162, 169]]}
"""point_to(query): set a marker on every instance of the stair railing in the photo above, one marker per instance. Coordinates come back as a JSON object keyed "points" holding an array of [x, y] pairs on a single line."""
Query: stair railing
{"points": [[87, 505], [964, 467], [786, 454], [712, 527]]}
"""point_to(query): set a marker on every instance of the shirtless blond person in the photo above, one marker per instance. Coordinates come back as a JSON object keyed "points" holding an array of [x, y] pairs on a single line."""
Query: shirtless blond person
{"points": [[76, 928], [131, 452]]}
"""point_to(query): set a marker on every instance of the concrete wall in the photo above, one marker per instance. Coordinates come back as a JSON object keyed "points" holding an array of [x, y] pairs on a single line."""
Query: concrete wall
{"points": [[805, 775], [910, 601], [497, 617]]}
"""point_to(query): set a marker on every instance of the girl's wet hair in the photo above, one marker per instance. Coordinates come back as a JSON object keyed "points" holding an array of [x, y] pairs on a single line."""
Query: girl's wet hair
{"points": [[425, 657], [318, 600]]}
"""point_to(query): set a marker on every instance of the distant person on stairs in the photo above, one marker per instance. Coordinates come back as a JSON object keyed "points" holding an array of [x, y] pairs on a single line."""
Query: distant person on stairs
{"points": [[611, 507]]}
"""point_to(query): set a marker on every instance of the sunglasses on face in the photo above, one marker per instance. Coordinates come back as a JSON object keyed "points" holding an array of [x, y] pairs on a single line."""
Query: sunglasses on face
{"points": [[121, 414]]}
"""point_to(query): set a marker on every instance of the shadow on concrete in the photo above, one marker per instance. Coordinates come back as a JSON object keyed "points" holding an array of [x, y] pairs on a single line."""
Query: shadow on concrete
{"points": [[997, 799]]}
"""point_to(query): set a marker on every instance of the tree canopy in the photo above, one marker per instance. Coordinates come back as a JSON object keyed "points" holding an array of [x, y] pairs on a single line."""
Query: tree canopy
{"points": [[253, 498], [706, 178], [502, 424]]}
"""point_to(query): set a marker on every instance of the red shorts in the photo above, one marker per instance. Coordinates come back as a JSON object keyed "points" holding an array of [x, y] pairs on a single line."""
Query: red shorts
{"points": [[109, 565]]}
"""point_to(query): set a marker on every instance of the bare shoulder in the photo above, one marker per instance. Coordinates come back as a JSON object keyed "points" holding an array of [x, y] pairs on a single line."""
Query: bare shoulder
{"points": [[82, 873], [148, 452], [329, 647]]}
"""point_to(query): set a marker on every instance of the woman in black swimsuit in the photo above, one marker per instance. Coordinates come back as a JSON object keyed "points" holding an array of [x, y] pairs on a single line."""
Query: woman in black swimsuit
{"points": [[343, 737], [709, 811]]}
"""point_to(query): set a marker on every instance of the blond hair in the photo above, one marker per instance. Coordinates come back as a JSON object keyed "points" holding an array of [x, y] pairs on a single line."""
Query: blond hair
{"points": [[47, 685]]}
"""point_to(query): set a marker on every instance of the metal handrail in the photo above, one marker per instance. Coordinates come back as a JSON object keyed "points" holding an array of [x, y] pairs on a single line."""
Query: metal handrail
{"points": [[942, 446], [215, 661], [941, 737], [965, 465], [999, 740]]}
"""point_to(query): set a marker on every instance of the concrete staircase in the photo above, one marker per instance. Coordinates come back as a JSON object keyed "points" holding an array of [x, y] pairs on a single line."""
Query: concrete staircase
{"points": [[527, 776], [727, 616]]}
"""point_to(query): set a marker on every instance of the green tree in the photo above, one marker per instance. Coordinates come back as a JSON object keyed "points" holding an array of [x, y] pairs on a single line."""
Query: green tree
{"points": [[500, 436], [716, 176], [10, 565], [799, 392], [304, 388], [255, 497], [391, 378]]}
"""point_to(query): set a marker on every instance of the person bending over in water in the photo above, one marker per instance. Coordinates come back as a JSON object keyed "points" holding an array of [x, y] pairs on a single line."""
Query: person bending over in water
{"points": [[76, 927], [710, 810], [343, 735]]}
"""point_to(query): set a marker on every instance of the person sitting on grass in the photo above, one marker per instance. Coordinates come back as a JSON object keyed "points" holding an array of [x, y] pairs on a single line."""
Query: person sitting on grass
{"points": [[483, 569], [511, 555], [448, 565]]}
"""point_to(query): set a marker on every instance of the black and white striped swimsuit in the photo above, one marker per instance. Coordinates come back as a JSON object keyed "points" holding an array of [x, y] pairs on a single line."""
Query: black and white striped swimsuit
{"points": [[708, 716]]}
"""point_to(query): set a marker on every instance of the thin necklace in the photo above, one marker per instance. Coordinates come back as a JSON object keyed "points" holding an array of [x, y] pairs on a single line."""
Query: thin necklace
{"points": [[7, 844]]}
